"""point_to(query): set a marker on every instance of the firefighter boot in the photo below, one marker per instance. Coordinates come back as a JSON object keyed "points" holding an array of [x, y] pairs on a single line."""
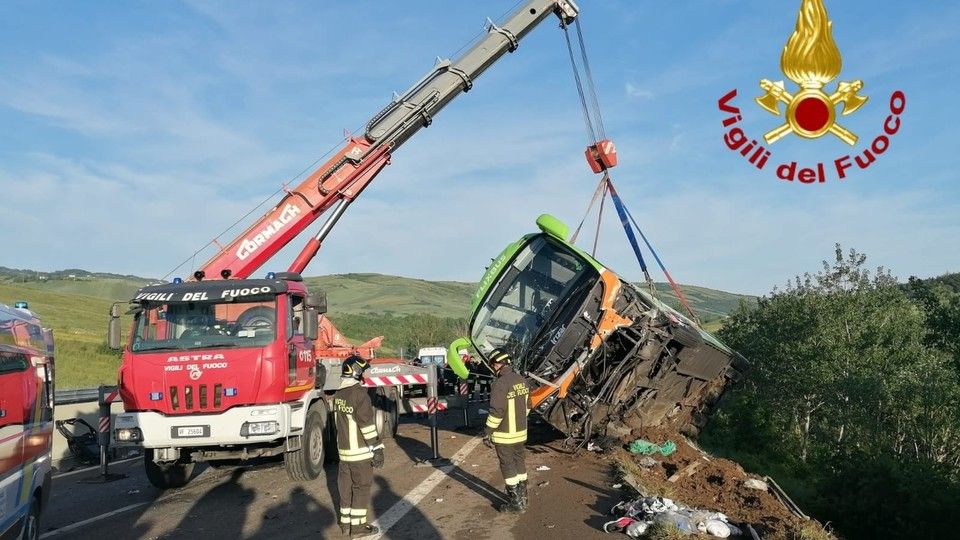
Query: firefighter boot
{"points": [[522, 500], [512, 506], [358, 531]]}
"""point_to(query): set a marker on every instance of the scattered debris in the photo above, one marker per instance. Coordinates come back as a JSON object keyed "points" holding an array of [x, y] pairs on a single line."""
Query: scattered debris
{"points": [[637, 515], [646, 448], [646, 462], [543, 468], [439, 499], [753, 483], [544, 484], [617, 486], [686, 471], [717, 484], [592, 447]]}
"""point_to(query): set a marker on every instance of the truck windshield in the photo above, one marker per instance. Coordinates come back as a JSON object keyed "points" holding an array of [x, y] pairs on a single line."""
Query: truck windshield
{"points": [[201, 325], [437, 360], [528, 293]]}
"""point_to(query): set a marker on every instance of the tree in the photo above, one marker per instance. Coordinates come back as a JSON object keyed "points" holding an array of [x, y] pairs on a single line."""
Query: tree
{"points": [[850, 373]]}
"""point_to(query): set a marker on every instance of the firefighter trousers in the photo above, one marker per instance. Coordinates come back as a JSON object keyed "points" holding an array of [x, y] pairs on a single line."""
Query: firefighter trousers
{"points": [[353, 483], [512, 466]]}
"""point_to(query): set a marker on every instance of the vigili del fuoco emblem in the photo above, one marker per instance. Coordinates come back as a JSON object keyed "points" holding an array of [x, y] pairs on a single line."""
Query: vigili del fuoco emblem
{"points": [[811, 59]]}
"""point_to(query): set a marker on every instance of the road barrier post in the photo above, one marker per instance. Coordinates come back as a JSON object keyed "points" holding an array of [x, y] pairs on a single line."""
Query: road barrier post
{"points": [[106, 396], [432, 410], [465, 394]]}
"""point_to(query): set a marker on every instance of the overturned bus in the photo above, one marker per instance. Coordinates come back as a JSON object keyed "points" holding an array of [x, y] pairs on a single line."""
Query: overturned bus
{"points": [[603, 355]]}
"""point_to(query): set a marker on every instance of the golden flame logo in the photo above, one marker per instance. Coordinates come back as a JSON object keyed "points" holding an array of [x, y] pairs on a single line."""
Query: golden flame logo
{"points": [[811, 59]]}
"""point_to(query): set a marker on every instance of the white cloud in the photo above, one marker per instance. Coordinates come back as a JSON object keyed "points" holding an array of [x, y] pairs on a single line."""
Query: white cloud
{"points": [[635, 91]]}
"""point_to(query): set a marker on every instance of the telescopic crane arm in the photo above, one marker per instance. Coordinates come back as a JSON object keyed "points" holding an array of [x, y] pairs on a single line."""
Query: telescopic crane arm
{"points": [[338, 182]]}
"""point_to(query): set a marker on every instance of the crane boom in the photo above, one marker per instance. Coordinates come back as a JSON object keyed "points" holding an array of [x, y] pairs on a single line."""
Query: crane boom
{"points": [[338, 182]]}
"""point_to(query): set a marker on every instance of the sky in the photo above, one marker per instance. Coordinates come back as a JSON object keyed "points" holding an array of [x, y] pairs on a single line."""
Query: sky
{"points": [[133, 133]]}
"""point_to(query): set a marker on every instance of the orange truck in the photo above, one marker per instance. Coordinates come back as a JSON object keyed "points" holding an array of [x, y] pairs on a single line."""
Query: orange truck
{"points": [[26, 421]]}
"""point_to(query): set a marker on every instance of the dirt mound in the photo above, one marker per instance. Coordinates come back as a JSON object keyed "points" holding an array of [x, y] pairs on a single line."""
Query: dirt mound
{"points": [[693, 478]]}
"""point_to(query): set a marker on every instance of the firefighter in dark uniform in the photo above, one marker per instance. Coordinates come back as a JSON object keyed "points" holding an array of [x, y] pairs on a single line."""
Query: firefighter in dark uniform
{"points": [[507, 428], [358, 445]]}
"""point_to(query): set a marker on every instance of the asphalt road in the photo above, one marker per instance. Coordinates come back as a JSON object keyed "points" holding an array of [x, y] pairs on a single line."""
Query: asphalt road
{"points": [[409, 501]]}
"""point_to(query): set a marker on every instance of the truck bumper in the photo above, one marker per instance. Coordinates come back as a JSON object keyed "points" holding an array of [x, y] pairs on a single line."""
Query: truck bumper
{"points": [[236, 426]]}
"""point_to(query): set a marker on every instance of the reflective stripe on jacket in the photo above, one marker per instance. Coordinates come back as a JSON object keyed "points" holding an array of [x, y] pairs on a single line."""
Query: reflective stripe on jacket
{"points": [[509, 407], [353, 414]]}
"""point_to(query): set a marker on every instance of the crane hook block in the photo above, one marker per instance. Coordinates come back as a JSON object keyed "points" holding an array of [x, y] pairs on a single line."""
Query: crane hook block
{"points": [[602, 155]]}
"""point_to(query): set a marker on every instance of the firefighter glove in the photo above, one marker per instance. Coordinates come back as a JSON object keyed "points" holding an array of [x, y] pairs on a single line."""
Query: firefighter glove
{"points": [[377, 460], [487, 442]]}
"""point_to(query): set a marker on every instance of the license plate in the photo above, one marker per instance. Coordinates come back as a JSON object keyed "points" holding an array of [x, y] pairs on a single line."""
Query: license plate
{"points": [[192, 431]]}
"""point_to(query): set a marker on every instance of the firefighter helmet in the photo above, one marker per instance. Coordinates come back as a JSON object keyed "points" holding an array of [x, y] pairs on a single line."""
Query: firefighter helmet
{"points": [[499, 356], [353, 367]]}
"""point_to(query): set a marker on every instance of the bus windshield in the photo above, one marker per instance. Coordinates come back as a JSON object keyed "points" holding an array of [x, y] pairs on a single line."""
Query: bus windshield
{"points": [[527, 295], [200, 325]]}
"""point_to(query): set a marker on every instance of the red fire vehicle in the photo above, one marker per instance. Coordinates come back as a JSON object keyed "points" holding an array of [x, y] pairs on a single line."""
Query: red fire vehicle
{"points": [[229, 367], [26, 421]]}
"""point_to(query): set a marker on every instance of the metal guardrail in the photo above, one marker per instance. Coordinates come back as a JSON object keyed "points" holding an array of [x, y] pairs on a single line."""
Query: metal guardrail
{"points": [[76, 395]]}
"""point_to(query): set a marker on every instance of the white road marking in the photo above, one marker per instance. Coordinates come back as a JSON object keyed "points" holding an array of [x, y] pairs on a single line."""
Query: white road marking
{"points": [[74, 526], [404, 505], [93, 467]]}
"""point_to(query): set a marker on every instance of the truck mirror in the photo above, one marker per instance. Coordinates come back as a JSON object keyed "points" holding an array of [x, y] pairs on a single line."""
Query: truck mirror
{"points": [[113, 328], [310, 322], [318, 301]]}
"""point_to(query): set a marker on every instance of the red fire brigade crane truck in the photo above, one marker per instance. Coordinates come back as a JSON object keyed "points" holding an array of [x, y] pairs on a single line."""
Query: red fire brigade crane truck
{"points": [[26, 421], [225, 366]]}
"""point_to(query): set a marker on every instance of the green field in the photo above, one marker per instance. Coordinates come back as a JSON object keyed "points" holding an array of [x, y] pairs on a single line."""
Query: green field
{"points": [[362, 305]]}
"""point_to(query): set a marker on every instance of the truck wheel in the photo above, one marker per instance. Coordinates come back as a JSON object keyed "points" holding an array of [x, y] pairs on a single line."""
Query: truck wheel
{"points": [[166, 475], [31, 523], [306, 463], [387, 415]]}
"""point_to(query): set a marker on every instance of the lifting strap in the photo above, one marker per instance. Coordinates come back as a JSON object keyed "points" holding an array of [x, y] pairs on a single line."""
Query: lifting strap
{"points": [[673, 284], [593, 120]]}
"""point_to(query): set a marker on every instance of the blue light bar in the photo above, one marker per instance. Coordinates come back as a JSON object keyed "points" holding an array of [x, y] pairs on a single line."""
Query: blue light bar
{"points": [[271, 275], [230, 392], [177, 281], [21, 305], [156, 396]]}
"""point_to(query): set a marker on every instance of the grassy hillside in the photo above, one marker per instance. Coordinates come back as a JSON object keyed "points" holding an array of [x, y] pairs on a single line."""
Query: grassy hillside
{"points": [[382, 294], [79, 325], [362, 305]]}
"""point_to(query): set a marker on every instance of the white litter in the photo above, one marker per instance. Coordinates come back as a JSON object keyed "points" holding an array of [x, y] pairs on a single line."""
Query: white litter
{"points": [[439, 499], [715, 527], [617, 486], [543, 468]]}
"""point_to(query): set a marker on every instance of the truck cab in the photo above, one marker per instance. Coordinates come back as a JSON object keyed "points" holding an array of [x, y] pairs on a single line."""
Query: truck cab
{"points": [[222, 369], [26, 421], [600, 351]]}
